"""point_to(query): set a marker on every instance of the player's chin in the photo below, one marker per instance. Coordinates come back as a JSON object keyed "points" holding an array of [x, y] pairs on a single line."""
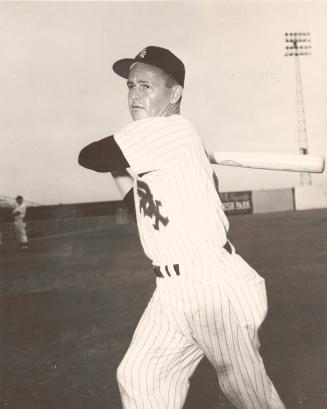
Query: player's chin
{"points": [[138, 113]]}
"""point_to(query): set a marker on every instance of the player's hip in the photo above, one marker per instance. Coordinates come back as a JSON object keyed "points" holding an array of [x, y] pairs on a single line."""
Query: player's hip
{"points": [[19, 224], [228, 277], [224, 264], [210, 300]]}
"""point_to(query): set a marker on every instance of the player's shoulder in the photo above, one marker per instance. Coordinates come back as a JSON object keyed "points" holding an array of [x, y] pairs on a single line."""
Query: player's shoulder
{"points": [[181, 120], [159, 120], [155, 124]]}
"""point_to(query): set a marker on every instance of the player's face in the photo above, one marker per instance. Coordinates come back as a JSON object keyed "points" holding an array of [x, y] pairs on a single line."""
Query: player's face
{"points": [[148, 94]]}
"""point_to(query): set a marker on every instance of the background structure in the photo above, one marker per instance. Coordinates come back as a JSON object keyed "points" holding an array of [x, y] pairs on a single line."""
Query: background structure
{"points": [[58, 90]]}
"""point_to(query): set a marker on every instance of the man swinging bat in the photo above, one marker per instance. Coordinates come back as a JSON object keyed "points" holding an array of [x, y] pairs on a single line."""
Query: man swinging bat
{"points": [[208, 301]]}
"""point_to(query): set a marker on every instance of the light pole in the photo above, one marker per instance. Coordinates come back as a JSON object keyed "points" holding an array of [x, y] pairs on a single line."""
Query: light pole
{"points": [[300, 44]]}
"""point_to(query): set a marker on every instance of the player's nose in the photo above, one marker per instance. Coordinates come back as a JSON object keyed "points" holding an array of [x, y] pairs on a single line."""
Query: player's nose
{"points": [[135, 94]]}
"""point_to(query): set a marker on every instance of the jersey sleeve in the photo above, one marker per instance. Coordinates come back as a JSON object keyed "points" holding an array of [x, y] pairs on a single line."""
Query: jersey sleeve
{"points": [[155, 143], [103, 156]]}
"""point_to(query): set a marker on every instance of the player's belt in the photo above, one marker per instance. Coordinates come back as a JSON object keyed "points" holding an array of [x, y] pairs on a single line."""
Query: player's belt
{"points": [[174, 269]]}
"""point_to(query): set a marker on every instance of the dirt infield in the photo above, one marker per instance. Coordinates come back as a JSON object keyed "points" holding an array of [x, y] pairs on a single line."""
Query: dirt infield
{"points": [[69, 307]]}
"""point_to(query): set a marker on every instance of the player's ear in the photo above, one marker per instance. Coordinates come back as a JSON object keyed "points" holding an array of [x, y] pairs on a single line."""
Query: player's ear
{"points": [[176, 95]]}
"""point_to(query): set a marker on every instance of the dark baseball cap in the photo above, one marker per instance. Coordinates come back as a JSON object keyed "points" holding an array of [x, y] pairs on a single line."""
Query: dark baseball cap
{"points": [[156, 56]]}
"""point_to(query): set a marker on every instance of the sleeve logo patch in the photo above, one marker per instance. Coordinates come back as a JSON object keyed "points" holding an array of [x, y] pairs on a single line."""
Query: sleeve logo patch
{"points": [[150, 206]]}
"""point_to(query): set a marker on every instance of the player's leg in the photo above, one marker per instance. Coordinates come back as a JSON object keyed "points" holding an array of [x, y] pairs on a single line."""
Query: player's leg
{"points": [[226, 328], [20, 233], [249, 374], [155, 371], [17, 231], [23, 237]]}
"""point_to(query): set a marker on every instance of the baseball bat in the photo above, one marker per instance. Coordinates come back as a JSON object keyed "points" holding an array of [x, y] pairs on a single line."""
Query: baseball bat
{"points": [[270, 161]]}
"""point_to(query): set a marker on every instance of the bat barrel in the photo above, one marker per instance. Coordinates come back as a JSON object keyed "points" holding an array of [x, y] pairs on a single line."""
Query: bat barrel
{"points": [[270, 161]]}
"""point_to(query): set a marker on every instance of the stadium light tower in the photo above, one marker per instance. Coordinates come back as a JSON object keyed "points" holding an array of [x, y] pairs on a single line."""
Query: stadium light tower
{"points": [[298, 44]]}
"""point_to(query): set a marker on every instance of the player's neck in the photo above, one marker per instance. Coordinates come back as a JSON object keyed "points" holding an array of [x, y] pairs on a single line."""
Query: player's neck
{"points": [[172, 109]]}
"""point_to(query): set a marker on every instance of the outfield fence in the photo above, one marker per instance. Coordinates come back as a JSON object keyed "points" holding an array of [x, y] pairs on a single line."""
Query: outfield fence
{"points": [[56, 220], [58, 227]]}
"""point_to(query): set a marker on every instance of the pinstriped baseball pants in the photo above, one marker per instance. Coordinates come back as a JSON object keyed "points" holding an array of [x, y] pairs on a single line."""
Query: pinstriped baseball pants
{"points": [[216, 313], [20, 231]]}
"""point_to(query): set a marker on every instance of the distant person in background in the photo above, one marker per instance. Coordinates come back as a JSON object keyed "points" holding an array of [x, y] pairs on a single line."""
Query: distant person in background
{"points": [[19, 214]]}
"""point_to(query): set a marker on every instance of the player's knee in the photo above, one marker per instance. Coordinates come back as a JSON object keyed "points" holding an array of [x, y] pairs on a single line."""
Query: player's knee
{"points": [[133, 378], [125, 374], [121, 374]]}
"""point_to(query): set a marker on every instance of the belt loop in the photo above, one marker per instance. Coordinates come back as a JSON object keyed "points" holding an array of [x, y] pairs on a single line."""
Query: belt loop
{"points": [[227, 246], [176, 268], [157, 271]]}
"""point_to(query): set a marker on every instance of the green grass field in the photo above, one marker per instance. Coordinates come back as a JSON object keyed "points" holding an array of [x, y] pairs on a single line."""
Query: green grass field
{"points": [[69, 307]]}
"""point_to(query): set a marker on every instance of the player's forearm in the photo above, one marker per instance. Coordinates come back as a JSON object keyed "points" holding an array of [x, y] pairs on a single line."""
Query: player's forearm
{"points": [[123, 180], [103, 156]]}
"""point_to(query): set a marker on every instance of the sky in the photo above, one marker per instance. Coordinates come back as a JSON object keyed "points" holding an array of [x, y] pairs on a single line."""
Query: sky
{"points": [[58, 91]]}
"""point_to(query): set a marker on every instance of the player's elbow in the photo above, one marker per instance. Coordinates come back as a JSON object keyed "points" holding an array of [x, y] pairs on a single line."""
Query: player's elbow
{"points": [[89, 160]]}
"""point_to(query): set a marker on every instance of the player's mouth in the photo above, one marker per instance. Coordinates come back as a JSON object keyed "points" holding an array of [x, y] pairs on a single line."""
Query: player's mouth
{"points": [[136, 107]]}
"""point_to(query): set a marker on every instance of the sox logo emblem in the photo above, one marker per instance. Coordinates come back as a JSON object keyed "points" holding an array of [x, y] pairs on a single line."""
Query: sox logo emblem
{"points": [[150, 206], [142, 53]]}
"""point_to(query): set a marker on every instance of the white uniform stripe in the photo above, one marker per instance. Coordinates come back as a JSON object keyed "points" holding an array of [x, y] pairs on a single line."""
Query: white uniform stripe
{"points": [[140, 144], [185, 307], [255, 325], [259, 403], [240, 366], [231, 346], [149, 374], [135, 384], [154, 151], [194, 328], [201, 310], [174, 381], [227, 365], [140, 362], [248, 359], [163, 376], [150, 129], [185, 371], [183, 234], [158, 396]]}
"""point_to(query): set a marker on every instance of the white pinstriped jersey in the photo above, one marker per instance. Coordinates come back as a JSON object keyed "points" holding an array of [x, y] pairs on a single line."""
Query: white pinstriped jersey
{"points": [[19, 211], [179, 213], [217, 303]]}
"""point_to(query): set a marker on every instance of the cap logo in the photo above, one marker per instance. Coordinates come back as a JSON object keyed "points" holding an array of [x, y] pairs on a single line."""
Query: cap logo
{"points": [[142, 53]]}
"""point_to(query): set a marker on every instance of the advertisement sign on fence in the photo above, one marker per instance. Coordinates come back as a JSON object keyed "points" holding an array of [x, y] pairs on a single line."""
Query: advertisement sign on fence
{"points": [[237, 202]]}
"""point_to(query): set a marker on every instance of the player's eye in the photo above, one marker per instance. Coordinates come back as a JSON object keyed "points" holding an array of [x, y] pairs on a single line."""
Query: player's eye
{"points": [[130, 86], [146, 86]]}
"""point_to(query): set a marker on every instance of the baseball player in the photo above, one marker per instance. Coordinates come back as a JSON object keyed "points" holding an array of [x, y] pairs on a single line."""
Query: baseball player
{"points": [[19, 214], [208, 301]]}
